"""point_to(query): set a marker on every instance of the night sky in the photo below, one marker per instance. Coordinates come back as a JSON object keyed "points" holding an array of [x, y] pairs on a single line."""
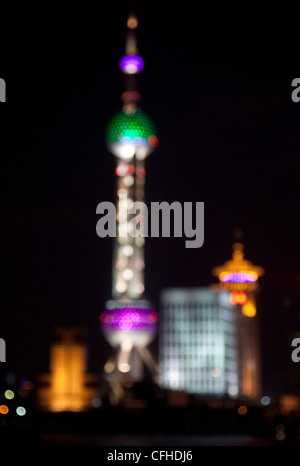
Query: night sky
{"points": [[217, 82]]}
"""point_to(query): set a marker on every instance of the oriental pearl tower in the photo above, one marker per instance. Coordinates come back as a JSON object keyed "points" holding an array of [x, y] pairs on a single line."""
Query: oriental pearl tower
{"points": [[129, 322]]}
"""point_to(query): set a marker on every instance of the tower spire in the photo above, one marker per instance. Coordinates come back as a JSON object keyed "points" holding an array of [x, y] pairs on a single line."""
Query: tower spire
{"points": [[131, 40]]}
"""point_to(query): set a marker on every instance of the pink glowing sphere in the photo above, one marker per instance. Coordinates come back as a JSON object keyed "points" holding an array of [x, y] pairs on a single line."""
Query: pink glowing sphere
{"points": [[138, 325]]}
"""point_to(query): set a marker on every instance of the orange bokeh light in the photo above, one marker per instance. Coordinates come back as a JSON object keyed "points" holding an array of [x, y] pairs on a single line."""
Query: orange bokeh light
{"points": [[242, 410], [238, 297], [249, 309], [4, 409]]}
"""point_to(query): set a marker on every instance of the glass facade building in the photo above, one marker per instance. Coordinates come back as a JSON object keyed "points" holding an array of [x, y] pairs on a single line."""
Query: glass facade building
{"points": [[198, 343]]}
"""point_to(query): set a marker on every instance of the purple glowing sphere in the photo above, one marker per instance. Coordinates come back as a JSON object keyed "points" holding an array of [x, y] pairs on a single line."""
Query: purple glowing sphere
{"points": [[131, 64], [129, 320]]}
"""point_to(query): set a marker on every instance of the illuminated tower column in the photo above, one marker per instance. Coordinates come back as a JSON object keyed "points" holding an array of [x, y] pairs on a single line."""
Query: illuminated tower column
{"points": [[129, 322], [240, 277]]}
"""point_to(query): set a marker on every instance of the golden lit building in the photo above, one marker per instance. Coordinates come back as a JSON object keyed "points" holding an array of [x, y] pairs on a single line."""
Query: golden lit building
{"points": [[239, 276], [67, 387]]}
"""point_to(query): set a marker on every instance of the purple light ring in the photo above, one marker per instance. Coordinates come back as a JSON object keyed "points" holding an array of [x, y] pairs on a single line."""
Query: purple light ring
{"points": [[148, 329], [129, 319], [132, 64]]}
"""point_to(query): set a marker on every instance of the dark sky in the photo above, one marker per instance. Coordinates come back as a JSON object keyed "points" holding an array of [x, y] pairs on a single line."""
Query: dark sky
{"points": [[217, 82]]}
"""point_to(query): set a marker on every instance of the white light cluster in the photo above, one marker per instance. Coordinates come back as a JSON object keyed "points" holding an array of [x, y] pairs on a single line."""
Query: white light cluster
{"points": [[198, 347]]}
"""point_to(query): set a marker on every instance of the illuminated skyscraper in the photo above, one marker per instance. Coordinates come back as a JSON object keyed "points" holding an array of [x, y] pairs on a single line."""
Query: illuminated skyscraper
{"points": [[129, 323], [68, 387], [198, 342], [240, 278]]}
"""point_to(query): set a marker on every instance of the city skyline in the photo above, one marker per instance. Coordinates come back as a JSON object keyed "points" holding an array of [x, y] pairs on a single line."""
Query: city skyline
{"points": [[228, 133]]}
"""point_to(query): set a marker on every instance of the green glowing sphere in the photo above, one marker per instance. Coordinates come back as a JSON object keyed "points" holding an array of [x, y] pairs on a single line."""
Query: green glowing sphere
{"points": [[128, 134]]}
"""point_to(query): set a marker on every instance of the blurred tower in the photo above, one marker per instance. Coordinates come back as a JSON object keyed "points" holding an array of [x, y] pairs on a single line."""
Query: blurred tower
{"points": [[67, 387], [129, 323], [240, 277]]}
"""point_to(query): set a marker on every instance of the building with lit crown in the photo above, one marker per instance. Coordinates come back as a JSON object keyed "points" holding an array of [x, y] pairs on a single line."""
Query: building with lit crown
{"points": [[209, 337], [129, 322], [240, 278]]}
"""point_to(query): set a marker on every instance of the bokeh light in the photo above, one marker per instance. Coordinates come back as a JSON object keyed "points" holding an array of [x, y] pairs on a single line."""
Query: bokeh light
{"points": [[132, 64], [132, 22], [21, 411], [238, 297], [141, 173], [3, 409], [265, 401], [242, 410], [249, 309], [9, 394]]}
